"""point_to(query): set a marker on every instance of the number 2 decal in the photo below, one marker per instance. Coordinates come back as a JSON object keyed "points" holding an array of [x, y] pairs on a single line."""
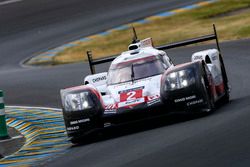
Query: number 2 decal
{"points": [[131, 95]]}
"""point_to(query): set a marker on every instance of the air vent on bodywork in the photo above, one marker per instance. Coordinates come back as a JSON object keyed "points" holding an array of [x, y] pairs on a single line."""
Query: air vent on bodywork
{"points": [[134, 46]]}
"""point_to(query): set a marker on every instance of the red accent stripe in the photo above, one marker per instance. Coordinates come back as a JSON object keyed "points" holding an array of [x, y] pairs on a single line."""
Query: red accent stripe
{"points": [[220, 88]]}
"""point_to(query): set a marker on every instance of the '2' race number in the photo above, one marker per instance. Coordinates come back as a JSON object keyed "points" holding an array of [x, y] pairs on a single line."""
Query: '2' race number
{"points": [[131, 95]]}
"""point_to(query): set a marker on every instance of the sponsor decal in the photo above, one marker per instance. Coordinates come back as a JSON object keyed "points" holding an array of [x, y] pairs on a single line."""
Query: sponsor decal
{"points": [[109, 111], [131, 94], [195, 102], [129, 90], [155, 101], [153, 97], [73, 128], [79, 121], [110, 107], [214, 58], [107, 124], [198, 57], [185, 98], [190, 97], [147, 42], [99, 79], [131, 102]]}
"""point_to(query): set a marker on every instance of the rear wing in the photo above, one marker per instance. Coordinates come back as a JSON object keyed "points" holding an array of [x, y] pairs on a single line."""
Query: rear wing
{"points": [[213, 36]]}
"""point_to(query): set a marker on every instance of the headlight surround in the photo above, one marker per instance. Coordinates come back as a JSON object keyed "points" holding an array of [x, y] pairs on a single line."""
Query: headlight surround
{"points": [[179, 79], [76, 101]]}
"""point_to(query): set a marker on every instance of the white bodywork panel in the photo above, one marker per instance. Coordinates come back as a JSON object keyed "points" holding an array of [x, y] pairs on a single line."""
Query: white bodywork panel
{"points": [[146, 90], [213, 64], [99, 81], [143, 88]]}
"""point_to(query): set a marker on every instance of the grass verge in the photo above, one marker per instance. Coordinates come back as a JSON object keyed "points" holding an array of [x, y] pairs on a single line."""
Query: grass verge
{"points": [[232, 18]]}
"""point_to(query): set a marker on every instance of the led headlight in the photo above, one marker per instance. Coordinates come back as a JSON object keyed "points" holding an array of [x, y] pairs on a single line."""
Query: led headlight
{"points": [[179, 79], [77, 101]]}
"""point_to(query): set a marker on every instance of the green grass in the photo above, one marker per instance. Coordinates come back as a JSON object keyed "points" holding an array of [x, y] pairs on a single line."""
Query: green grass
{"points": [[231, 22]]}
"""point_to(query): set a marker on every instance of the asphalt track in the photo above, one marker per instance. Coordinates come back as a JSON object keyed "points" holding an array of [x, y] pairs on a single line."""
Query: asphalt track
{"points": [[28, 28]]}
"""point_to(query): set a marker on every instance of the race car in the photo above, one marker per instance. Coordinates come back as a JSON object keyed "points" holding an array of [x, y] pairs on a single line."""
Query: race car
{"points": [[143, 82]]}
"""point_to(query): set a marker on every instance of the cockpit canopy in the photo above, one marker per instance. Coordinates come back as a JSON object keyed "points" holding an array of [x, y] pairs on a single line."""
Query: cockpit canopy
{"points": [[135, 69]]}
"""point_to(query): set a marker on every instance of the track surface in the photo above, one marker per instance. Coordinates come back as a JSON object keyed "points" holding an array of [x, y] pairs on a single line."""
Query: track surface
{"points": [[220, 139], [31, 26]]}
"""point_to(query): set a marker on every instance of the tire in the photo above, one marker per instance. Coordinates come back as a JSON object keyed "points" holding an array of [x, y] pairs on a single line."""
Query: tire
{"points": [[79, 140], [75, 140], [210, 107], [226, 98]]}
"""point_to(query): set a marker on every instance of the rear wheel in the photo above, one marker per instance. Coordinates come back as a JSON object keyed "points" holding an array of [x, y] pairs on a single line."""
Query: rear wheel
{"points": [[210, 102], [225, 99], [227, 87], [208, 97]]}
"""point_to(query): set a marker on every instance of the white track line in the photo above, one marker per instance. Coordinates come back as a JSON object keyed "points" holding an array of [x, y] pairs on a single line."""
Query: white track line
{"points": [[9, 2]]}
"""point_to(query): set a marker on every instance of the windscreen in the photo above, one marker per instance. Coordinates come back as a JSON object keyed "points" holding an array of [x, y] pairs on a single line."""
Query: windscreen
{"points": [[134, 70]]}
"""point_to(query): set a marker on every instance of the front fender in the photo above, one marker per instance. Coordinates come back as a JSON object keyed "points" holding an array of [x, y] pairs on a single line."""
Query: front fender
{"points": [[82, 109], [185, 91]]}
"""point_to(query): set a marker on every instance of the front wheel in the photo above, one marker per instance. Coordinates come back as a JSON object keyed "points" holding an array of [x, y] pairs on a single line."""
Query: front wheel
{"points": [[76, 140]]}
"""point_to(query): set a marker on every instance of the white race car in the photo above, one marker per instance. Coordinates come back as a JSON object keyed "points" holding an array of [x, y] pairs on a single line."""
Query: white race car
{"points": [[143, 82]]}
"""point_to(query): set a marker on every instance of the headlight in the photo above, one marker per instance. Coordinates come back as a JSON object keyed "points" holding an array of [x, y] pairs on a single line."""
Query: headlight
{"points": [[179, 79], [76, 101]]}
